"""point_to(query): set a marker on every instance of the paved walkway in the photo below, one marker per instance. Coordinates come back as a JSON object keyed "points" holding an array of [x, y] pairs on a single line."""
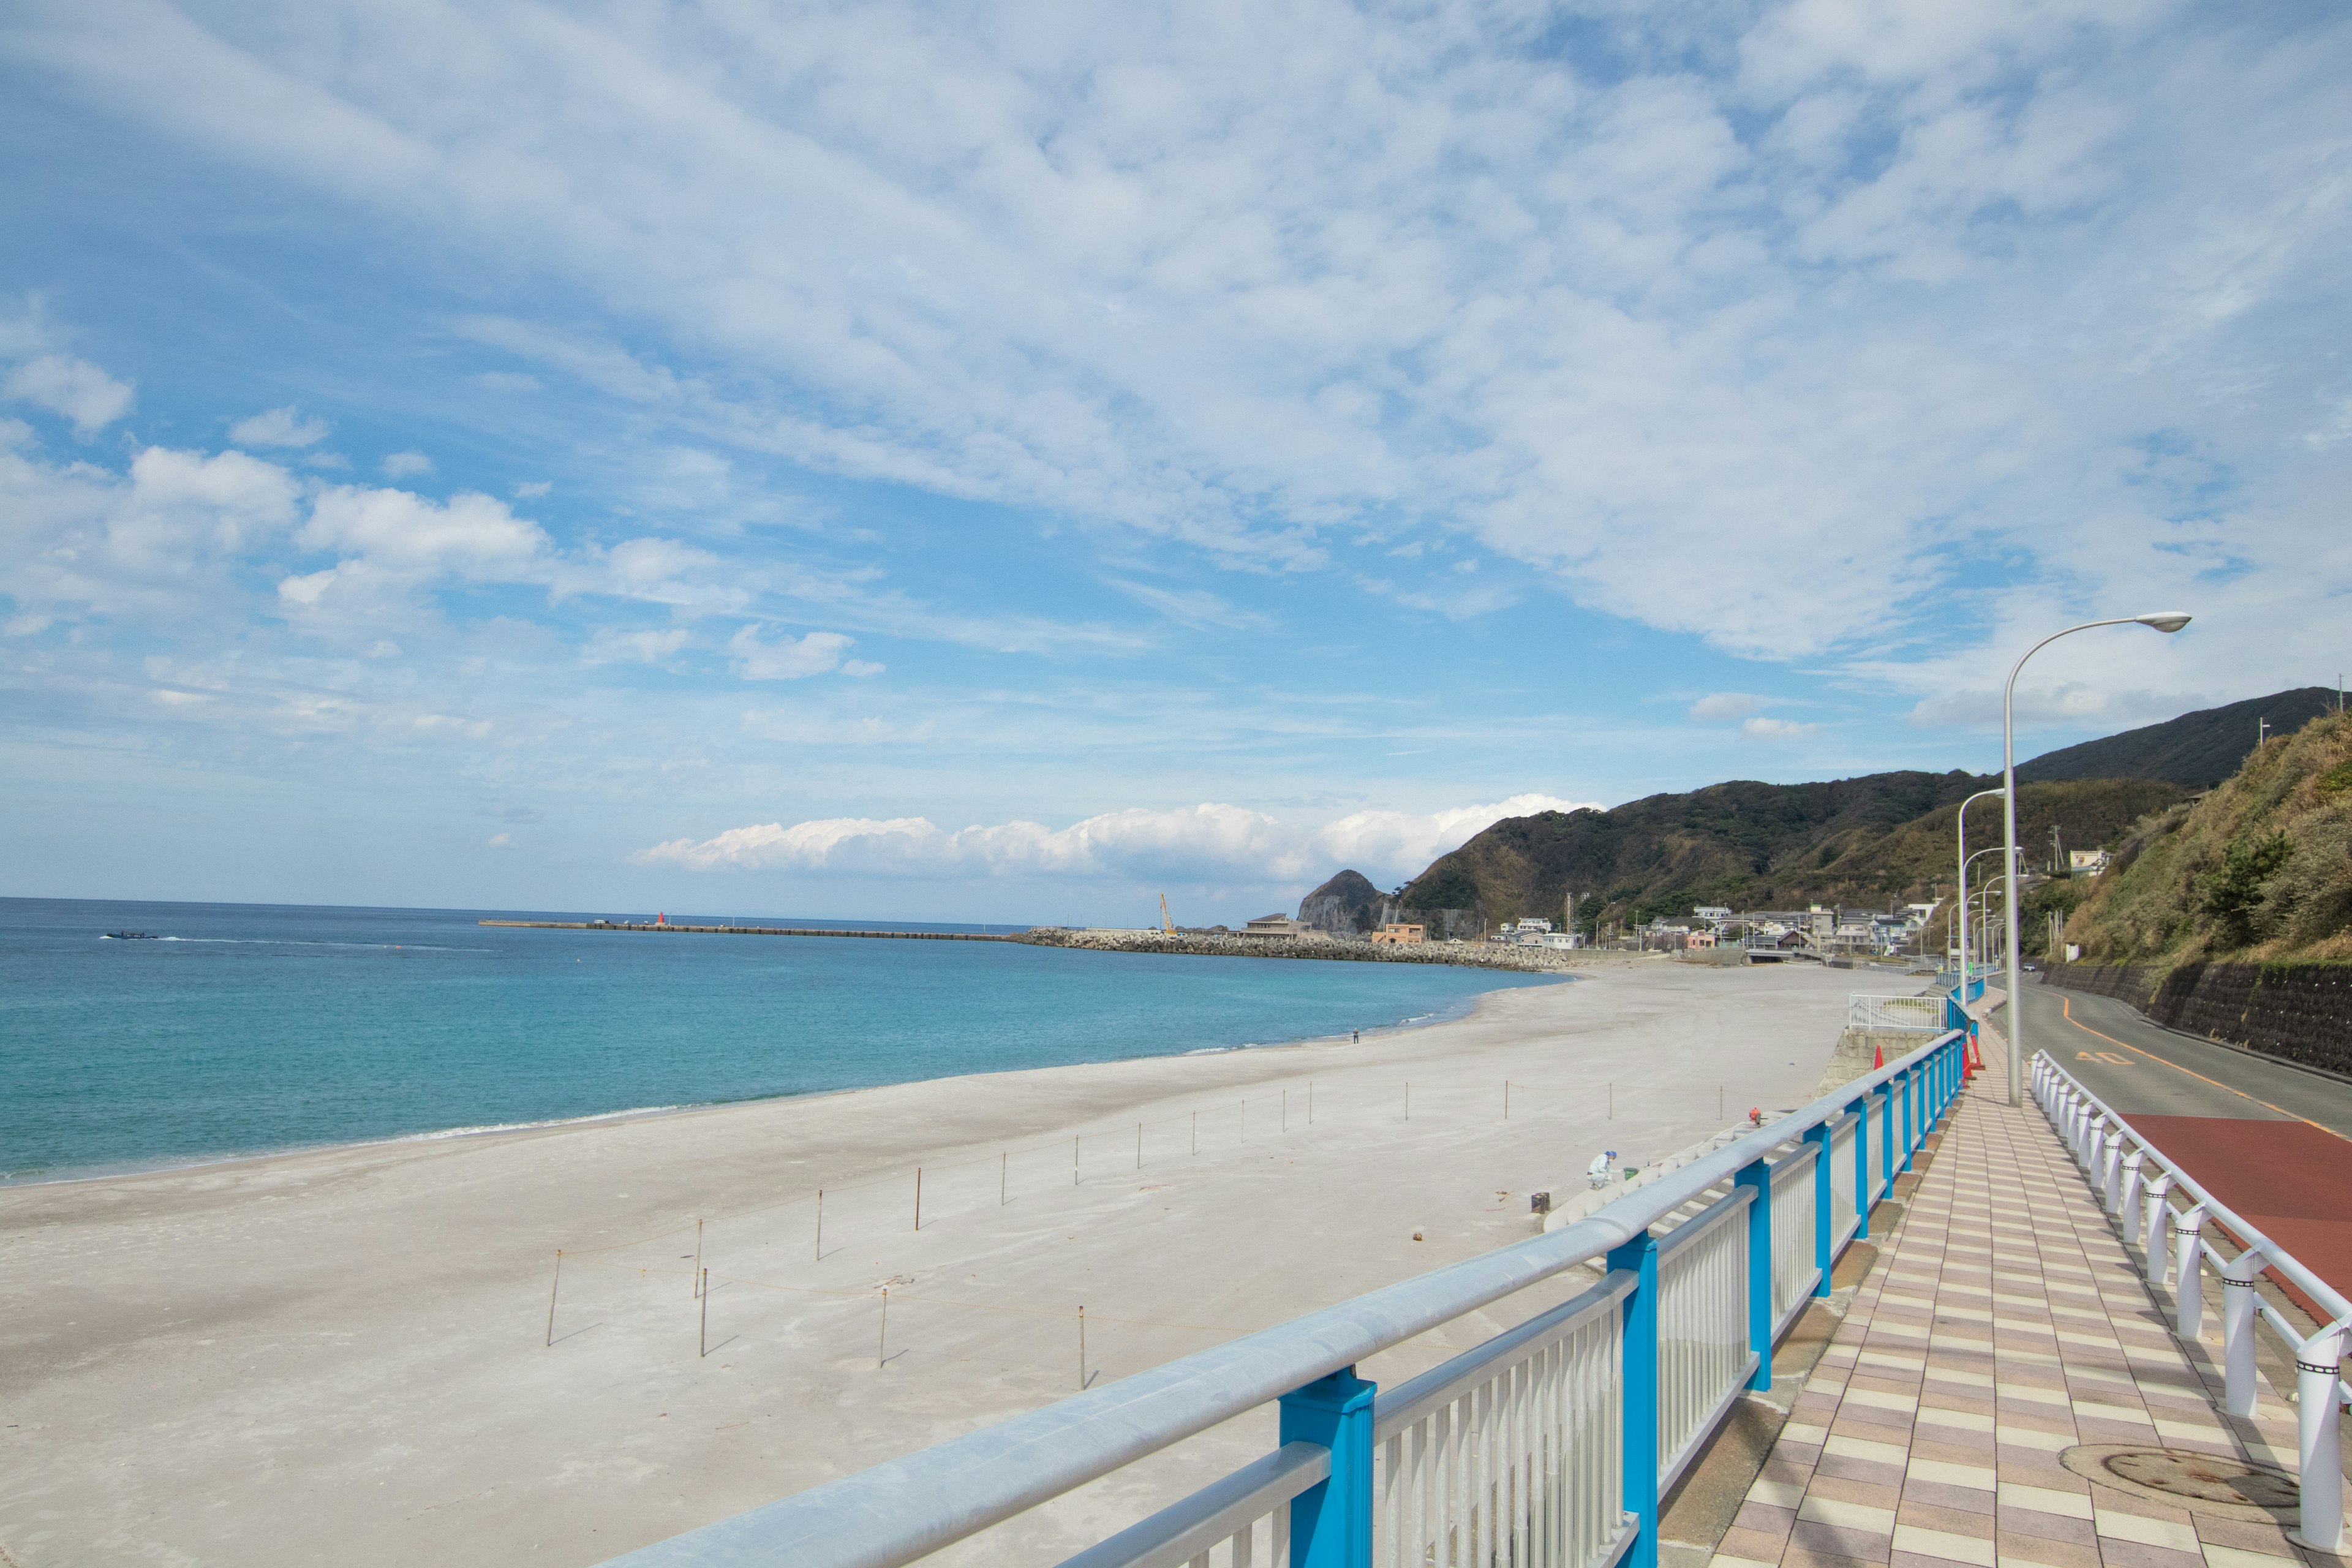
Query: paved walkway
{"points": [[2004, 1324]]}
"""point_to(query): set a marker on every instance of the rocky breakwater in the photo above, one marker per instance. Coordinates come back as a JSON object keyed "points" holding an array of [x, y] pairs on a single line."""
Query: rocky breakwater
{"points": [[1480, 955]]}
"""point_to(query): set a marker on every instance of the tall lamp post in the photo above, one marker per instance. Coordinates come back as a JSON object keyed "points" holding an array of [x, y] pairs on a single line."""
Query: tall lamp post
{"points": [[2165, 621], [1963, 820], [1983, 896]]}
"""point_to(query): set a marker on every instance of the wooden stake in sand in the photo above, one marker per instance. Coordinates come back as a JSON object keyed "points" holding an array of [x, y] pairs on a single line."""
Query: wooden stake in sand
{"points": [[1074, 1159], [1082, 1347], [551, 1290], [882, 1337], [702, 1289], [820, 1225], [698, 1259], [918, 1197]]}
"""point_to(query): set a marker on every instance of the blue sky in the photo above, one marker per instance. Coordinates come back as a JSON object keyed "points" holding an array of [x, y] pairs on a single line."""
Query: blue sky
{"points": [[1008, 461]]}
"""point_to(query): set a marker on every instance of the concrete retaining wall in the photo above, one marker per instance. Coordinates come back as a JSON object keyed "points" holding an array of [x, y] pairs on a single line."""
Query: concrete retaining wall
{"points": [[2297, 1011]]}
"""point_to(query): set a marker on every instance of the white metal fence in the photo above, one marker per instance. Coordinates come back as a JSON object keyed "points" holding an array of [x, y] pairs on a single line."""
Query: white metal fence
{"points": [[1895, 1014], [1704, 1354], [1510, 1452], [1794, 1272]]}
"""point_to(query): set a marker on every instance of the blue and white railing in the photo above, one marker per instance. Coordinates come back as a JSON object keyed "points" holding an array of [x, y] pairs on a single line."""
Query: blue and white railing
{"points": [[2139, 1186], [1551, 1444]]}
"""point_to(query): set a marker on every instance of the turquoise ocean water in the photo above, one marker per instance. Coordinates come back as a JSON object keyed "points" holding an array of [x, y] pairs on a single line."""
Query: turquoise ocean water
{"points": [[253, 1028]]}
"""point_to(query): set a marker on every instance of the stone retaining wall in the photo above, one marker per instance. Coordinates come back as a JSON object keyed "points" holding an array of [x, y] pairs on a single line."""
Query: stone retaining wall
{"points": [[2297, 1011]]}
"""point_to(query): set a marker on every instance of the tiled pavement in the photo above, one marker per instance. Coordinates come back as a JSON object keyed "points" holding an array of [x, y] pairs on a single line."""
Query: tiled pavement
{"points": [[2004, 1324]]}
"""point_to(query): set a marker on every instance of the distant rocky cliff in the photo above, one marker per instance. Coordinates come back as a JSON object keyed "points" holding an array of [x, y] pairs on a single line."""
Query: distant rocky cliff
{"points": [[1346, 904]]}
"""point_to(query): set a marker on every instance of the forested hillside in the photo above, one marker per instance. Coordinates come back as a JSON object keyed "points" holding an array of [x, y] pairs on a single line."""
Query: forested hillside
{"points": [[1868, 840], [2260, 868], [2195, 750]]}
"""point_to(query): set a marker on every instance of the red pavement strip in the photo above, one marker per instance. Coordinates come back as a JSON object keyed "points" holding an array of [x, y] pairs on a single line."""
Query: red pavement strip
{"points": [[2292, 1180]]}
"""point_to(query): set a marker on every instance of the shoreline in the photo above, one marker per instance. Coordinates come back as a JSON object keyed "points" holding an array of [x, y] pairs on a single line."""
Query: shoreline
{"points": [[69, 1176], [369, 1354]]}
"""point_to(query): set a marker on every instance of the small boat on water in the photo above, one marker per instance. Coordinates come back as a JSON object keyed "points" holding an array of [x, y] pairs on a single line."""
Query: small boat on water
{"points": [[129, 936]]}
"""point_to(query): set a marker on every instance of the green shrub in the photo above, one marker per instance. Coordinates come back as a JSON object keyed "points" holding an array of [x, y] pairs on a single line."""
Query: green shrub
{"points": [[2233, 893]]}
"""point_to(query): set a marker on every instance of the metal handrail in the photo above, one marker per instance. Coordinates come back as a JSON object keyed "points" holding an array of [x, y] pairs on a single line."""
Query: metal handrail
{"points": [[2094, 1131], [904, 1508], [2332, 1300]]}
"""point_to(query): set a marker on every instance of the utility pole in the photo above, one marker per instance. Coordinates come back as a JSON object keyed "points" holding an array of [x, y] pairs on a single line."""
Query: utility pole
{"points": [[2262, 732]]}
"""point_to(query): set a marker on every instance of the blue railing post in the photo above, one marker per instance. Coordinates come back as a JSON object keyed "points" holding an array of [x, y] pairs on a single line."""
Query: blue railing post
{"points": [[1757, 1177], [1823, 1242], [1641, 1433], [1331, 1522]]}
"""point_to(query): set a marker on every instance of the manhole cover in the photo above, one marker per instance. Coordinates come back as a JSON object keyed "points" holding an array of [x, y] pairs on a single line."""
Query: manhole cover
{"points": [[2207, 1483]]}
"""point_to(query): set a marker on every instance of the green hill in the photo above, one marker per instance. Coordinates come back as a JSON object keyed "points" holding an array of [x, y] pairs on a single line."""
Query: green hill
{"points": [[2195, 750], [1873, 840], [2260, 868]]}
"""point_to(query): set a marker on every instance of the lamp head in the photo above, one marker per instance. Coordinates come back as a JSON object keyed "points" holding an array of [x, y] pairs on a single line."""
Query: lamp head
{"points": [[2164, 620]]}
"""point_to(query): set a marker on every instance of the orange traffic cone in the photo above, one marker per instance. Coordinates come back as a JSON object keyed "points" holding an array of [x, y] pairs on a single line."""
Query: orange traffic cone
{"points": [[1878, 1057]]}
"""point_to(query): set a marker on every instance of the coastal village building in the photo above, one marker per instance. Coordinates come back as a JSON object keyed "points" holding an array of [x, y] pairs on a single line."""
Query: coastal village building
{"points": [[1275, 925], [1401, 932]]}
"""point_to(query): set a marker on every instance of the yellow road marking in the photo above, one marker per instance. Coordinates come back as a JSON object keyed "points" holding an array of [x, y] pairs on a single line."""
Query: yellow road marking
{"points": [[2067, 1006]]}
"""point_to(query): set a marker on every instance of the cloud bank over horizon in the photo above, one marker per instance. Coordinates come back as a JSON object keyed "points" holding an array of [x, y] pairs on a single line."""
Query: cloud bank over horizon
{"points": [[1188, 845], [881, 415]]}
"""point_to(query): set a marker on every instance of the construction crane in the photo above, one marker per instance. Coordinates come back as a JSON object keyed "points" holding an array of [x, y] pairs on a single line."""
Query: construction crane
{"points": [[1166, 924]]}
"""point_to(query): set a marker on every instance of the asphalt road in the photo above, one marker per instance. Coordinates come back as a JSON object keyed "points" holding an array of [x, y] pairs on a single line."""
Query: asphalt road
{"points": [[2271, 1141], [2143, 1069]]}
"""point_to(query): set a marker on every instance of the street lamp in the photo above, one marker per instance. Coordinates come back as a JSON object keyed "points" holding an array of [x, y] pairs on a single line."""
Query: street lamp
{"points": [[1963, 821], [2165, 621], [1984, 902]]}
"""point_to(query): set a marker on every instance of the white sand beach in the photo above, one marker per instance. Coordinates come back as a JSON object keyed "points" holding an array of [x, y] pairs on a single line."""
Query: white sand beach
{"points": [[340, 1356]]}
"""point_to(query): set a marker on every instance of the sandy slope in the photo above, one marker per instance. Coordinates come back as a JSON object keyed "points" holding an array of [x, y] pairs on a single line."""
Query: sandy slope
{"points": [[338, 1357]]}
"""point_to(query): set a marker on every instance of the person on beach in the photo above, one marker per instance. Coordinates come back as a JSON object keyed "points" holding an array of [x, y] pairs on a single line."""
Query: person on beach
{"points": [[1355, 1036]]}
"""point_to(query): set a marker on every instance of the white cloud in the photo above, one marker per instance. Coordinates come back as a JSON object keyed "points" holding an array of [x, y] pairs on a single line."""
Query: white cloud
{"points": [[401, 533], [403, 465], [74, 389], [790, 658], [1729, 338], [532, 490], [1390, 845], [610, 646], [1207, 843], [1722, 707], [158, 541], [1775, 729], [279, 428]]}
